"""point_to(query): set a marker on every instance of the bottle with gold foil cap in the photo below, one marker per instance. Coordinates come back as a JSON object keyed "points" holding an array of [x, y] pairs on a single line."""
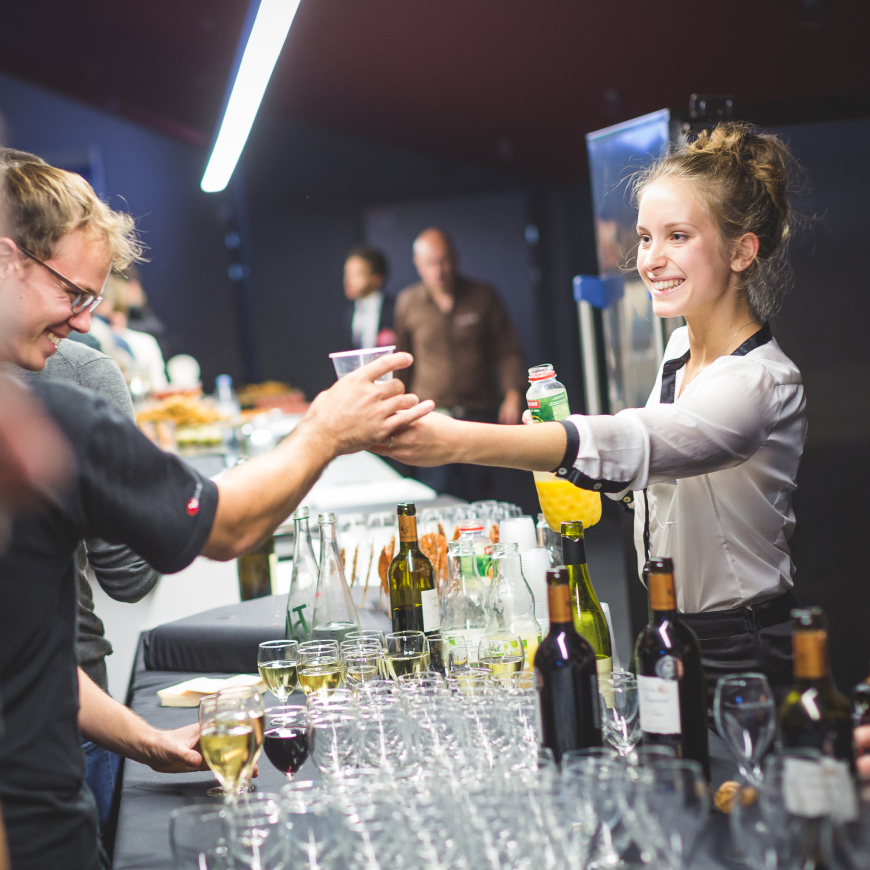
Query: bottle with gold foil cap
{"points": [[566, 676], [414, 602], [671, 684], [814, 714]]}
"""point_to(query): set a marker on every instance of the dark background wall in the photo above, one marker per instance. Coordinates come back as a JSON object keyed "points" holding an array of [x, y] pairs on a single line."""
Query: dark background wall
{"points": [[156, 179], [824, 327]]}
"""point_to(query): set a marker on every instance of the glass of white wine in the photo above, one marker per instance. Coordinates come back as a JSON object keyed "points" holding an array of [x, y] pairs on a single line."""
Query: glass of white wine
{"points": [[407, 653], [501, 653], [277, 661], [226, 740], [252, 701], [319, 667]]}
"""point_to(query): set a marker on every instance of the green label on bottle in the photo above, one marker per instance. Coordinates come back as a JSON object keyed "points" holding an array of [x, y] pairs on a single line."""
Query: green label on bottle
{"points": [[547, 409]]}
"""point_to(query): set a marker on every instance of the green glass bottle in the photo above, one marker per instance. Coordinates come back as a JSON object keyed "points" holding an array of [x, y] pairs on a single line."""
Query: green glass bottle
{"points": [[589, 619], [413, 595]]}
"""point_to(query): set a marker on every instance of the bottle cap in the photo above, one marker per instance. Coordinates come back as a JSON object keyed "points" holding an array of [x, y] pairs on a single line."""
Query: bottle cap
{"points": [[471, 526], [558, 576], [409, 509], [541, 373], [659, 565]]}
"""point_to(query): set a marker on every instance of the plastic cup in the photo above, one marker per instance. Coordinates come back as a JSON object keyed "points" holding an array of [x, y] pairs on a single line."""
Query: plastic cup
{"points": [[347, 361], [521, 531]]}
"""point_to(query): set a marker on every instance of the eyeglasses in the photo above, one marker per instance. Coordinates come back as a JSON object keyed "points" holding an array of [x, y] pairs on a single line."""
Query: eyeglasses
{"points": [[83, 300]]}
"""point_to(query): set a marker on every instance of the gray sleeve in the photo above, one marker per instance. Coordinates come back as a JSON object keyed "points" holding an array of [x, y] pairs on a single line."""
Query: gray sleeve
{"points": [[103, 376], [123, 575]]}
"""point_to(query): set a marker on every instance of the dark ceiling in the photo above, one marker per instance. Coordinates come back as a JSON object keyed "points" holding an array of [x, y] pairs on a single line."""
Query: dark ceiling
{"points": [[511, 83]]}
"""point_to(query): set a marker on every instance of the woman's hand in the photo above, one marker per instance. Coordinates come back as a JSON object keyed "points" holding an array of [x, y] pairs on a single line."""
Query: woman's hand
{"points": [[432, 440]]}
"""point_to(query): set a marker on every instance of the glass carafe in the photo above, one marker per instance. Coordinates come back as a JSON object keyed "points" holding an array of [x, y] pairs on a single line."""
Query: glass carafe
{"points": [[510, 604], [334, 611], [303, 583], [464, 598]]}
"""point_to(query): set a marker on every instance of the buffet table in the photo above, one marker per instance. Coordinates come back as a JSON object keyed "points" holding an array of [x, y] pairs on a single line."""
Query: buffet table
{"points": [[220, 643]]}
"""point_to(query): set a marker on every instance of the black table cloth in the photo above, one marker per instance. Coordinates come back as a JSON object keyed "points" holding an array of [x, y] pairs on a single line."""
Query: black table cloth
{"points": [[224, 639]]}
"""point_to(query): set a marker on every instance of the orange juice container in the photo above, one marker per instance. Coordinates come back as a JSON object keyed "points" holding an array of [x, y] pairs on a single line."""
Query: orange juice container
{"points": [[560, 500]]}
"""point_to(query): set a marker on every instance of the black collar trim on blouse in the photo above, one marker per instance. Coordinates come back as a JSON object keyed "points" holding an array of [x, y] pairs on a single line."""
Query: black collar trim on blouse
{"points": [[672, 366]]}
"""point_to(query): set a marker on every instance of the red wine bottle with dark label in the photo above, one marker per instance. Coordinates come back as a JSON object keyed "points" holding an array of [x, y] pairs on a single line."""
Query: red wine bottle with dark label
{"points": [[566, 676], [671, 685]]}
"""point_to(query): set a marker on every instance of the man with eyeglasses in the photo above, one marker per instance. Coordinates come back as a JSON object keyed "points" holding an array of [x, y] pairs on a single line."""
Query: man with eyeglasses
{"points": [[127, 491]]}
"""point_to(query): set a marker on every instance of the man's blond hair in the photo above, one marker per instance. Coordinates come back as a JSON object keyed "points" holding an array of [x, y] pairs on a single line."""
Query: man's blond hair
{"points": [[42, 204]]}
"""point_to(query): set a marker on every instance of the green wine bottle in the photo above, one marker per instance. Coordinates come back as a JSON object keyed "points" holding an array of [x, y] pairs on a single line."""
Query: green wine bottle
{"points": [[589, 619], [413, 595], [814, 715]]}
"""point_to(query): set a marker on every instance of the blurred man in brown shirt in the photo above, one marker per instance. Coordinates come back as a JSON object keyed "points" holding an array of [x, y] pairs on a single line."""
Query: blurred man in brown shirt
{"points": [[467, 354]]}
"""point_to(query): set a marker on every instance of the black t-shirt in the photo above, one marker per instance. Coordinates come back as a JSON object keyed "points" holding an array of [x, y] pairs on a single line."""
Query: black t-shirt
{"points": [[126, 491]]}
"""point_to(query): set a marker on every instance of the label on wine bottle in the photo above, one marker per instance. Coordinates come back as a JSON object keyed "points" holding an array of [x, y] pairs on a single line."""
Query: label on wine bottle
{"points": [[431, 610], [604, 667], [408, 530], [659, 705], [813, 788]]}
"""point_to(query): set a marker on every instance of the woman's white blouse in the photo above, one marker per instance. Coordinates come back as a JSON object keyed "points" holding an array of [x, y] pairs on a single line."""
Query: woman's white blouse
{"points": [[719, 465]]}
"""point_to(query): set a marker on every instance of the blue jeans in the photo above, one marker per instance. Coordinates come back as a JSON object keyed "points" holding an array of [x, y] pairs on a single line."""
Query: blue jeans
{"points": [[101, 774]]}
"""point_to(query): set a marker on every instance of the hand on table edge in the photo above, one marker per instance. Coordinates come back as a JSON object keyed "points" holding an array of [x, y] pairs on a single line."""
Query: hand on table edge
{"points": [[110, 724], [352, 415]]}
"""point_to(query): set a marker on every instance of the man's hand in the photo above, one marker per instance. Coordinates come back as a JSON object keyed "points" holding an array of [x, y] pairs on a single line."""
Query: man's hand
{"points": [[511, 408], [175, 751], [356, 412]]}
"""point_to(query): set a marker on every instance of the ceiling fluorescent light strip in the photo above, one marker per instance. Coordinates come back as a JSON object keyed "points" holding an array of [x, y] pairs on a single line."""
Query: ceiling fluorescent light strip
{"points": [[268, 34]]}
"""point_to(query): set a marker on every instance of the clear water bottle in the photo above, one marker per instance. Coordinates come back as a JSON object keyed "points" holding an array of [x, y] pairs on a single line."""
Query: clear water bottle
{"points": [[510, 603], [472, 530], [335, 613], [303, 583], [463, 601]]}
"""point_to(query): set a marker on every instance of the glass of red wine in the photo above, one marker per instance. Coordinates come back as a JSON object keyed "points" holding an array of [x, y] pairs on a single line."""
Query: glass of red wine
{"points": [[287, 738]]}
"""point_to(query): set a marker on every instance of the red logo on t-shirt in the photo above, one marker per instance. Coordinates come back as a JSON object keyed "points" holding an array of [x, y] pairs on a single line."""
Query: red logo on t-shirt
{"points": [[193, 504]]}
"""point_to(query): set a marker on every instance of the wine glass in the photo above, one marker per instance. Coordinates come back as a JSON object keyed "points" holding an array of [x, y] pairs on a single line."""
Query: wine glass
{"points": [[199, 836], [277, 661], [253, 704], [502, 653], [257, 838], [226, 738], [367, 634], [745, 715], [619, 711], [287, 738], [678, 798], [407, 653], [363, 666], [456, 651], [319, 666]]}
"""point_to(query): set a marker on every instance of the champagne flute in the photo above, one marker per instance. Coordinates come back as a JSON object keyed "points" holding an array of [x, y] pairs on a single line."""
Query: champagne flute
{"points": [[619, 711], [745, 715], [277, 661], [502, 653], [407, 653], [287, 738], [225, 741]]}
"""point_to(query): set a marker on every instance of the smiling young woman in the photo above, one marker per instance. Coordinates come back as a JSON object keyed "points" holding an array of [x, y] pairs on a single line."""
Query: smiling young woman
{"points": [[715, 452]]}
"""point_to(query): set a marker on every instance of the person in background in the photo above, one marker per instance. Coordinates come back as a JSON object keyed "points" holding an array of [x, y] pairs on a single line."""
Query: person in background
{"points": [[140, 316], [467, 355], [369, 320], [145, 357]]}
